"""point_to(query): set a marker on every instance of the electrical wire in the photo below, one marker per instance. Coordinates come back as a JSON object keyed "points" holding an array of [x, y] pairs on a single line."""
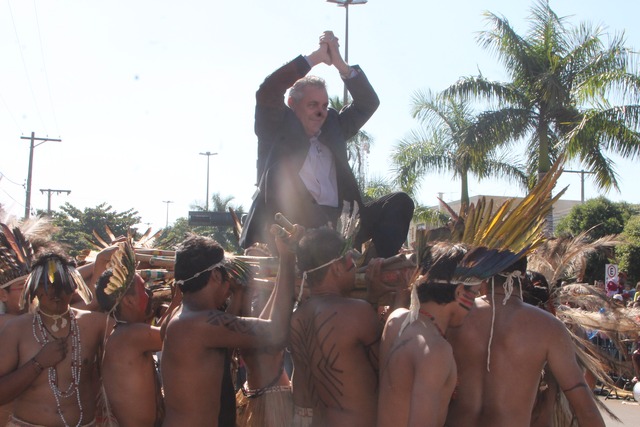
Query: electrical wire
{"points": [[10, 114], [44, 67], [11, 181], [24, 65]]}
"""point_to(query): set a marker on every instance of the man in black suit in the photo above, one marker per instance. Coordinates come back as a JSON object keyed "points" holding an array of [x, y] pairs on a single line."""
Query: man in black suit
{"points": [[303, 169]]}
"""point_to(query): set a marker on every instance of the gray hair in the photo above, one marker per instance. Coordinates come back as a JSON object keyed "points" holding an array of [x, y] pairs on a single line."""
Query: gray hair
{"points": [[296, 91]]}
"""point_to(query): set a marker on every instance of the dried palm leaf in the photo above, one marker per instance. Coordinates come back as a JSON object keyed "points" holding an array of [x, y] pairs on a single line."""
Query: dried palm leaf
{"points": [[565, 258]]}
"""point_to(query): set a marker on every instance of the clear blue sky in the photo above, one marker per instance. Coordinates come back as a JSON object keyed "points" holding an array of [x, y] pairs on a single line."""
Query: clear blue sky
{"points": [[137, 89]]}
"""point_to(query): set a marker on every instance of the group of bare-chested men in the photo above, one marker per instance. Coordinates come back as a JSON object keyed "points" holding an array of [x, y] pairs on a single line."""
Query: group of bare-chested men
{"points": [[453, 351], [454, 358]]}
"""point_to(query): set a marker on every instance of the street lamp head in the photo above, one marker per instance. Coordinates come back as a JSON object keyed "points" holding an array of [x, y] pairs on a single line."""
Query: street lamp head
{"points": [[346, 2]]}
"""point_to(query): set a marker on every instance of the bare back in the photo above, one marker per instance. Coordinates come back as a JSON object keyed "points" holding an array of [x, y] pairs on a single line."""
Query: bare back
{"points": [[129, 375], [334, 344], [525, 338], [191, 372], [417, 374]]}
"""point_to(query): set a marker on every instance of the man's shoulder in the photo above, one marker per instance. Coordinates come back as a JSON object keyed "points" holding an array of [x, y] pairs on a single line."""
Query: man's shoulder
{"points": [[352, 307], [187, 321], [9, 322], [133, 330], [88, 314]]}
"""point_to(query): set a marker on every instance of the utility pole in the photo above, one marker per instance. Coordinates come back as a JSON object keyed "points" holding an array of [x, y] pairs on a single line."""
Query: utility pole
{"points": [[49, 191], [582, 173], [27, 204]]}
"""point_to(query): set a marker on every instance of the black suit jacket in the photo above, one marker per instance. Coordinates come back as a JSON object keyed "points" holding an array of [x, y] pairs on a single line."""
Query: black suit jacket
{"points": [[283, 146]]}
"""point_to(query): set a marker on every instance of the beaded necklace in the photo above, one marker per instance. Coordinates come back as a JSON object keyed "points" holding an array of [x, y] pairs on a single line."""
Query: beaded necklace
{"points": [[433, 320], [76, 364]]}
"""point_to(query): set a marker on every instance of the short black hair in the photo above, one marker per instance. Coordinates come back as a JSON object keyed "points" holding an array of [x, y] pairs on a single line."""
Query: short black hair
{"points": [[439, 266], [318, 246], [193, 257]]}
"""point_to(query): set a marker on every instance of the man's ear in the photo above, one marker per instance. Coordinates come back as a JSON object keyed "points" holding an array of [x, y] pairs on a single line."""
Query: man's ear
{"points": [[128, 300], [291, 102], [4, 295], [459, 291]]}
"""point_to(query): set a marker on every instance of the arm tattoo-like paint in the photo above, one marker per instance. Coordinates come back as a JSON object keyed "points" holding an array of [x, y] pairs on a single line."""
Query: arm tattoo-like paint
{"points": [[574, 387], [233, 323]]}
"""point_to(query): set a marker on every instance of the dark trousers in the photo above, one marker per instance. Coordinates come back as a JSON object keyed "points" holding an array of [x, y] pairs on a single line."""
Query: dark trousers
{"points": [[386, 221]]}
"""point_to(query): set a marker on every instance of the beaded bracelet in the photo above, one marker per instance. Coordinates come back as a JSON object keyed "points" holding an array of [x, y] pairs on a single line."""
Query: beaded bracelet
{"points": [[37, 365]]}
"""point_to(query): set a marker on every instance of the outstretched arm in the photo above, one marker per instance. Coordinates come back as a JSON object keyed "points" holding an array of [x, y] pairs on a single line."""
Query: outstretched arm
{"points": [[246, 332], [564, 366], [336, 59]]}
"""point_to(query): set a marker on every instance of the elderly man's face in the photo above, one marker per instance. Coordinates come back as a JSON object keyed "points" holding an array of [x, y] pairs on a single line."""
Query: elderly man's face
{"points": [[311, 110]]}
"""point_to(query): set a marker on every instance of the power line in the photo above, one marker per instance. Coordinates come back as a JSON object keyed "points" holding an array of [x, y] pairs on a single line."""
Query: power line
{"points": [[11, 197], [24, 66], [44, 67], [10, 114], [8, 179]]}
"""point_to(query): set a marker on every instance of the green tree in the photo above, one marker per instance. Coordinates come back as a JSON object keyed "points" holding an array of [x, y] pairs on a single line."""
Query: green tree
{"points": [[76, 226], [599, 216], [448, 142], [628, 253], [567, 93], [357, 147]]}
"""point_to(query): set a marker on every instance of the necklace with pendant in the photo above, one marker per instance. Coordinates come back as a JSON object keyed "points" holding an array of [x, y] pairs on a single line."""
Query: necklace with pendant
{"points": [[56, 318]]}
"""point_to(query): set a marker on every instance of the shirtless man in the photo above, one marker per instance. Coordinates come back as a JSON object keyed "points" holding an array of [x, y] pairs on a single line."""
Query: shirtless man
{"points": [[499, 361], [334, 339], [199, 333], [10, 305], [63, 341], [129, 375], [418, 374]]}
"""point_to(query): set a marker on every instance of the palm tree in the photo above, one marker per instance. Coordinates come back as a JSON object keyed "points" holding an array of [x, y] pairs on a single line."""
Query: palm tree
{"points": [[357, 147], [447, 142], [564, 81]]}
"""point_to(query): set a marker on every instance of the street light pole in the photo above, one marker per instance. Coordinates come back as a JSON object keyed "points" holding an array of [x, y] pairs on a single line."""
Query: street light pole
{"points": [[345, 4], [167, 202], [208, 154]]}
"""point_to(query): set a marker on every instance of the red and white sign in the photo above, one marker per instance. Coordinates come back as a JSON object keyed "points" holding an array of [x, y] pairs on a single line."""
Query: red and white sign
{"points": [[611, 272]]}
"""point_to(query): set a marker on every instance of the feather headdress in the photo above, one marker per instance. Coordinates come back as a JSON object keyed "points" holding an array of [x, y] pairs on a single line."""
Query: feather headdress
{"points": [[123, 266], [16, 255], [497, 239], [54, 270], [17, 241]]}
